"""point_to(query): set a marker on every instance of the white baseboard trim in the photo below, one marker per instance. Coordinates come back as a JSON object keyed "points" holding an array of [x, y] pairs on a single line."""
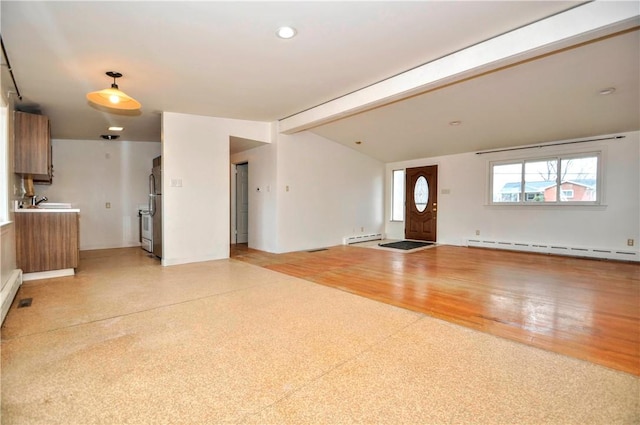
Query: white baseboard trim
{"points": [[178, 261], [48, 274]]}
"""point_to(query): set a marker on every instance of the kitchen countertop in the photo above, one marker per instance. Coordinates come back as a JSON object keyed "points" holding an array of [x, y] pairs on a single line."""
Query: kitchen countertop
{"points": [[47, 210]]}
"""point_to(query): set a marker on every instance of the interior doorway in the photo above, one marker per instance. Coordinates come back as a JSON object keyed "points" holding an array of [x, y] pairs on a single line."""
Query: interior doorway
{"points": [[421, 199], [242, 203]]}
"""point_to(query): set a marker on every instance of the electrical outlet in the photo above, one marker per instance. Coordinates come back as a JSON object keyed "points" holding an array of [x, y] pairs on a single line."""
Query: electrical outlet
{"points": [[630, 242], [477, 232], [107, 205], [362, 229]]}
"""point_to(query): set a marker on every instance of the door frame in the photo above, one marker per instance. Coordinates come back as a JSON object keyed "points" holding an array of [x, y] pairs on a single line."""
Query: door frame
{"points": [[233, 210], [431, 210]]}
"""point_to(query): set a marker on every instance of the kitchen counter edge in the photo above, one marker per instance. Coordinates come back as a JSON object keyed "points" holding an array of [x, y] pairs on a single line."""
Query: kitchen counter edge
{"points": [[47, 210]]}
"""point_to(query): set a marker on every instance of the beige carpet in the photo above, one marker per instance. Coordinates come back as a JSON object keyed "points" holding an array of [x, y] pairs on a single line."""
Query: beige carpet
{"points": [[126, 341]]}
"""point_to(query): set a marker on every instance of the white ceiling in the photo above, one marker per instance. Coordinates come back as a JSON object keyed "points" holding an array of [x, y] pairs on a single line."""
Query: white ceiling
{"points": [[223, 59], [553, 98]]}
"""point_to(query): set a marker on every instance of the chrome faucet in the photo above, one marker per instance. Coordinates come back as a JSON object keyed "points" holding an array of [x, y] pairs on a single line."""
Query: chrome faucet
{"points": [[35, 201]]}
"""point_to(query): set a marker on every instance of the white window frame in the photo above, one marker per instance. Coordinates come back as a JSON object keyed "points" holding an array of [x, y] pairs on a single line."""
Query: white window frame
{"points": [[4, 161], [559, 158], [393, 197]]}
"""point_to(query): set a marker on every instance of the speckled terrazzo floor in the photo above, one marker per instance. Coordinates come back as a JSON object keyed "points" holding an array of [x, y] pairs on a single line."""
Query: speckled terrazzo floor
{"points": [[127, 341]]}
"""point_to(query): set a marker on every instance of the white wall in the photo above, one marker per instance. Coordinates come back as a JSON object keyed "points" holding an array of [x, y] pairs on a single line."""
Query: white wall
{"points": [[465, 209], [88, 174], [333, 192], [195, 150]]}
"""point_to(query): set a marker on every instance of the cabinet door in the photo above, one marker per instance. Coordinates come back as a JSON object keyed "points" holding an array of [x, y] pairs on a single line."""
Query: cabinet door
{"points": [[46, 241], [32, 145], [49, 178]]}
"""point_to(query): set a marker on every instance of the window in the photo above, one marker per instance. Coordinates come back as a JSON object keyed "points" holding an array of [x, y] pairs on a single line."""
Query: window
{"points": [[397, 196], [507, 182], [4, 164], [556, 180], [421, 193], [539, 177]]}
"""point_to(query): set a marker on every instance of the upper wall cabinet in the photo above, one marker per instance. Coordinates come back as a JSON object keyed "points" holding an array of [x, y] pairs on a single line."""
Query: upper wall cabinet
{"points": [[32, 147]]}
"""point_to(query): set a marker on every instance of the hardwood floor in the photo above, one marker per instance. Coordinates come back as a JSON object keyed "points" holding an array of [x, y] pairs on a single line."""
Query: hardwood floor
{"points": [[588, 309]]}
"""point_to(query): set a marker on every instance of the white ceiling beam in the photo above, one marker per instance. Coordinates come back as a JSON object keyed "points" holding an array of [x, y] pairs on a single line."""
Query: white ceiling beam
{"points": [[581, 24]]}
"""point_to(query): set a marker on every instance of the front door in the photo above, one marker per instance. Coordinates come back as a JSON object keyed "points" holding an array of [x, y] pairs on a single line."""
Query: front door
{"points": [[421, 197]]}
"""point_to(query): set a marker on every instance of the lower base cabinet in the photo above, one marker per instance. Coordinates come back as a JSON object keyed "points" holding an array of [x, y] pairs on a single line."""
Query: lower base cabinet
{"points": [[47, 241]]}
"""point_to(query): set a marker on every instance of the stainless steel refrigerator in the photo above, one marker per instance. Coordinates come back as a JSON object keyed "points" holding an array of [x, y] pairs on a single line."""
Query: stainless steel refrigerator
{"points": [[155, 204]]}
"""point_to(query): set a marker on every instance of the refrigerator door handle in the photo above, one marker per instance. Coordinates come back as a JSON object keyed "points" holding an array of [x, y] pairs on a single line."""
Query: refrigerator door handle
{"points": [[152, 184]]}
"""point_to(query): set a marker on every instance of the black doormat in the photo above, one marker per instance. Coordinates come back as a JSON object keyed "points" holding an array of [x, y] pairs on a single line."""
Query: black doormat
{"points": [[406, 245]]}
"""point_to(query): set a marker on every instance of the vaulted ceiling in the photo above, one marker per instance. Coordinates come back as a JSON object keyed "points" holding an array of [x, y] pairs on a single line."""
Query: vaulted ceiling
{"points": [[223, 59]]}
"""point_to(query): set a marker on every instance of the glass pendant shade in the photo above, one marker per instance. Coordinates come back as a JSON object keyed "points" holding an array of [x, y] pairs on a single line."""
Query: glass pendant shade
{"points": [[113, 97]]}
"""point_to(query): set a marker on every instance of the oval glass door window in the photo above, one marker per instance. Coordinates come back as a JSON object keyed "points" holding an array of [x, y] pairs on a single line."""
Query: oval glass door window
{"points": [[421, 193]]}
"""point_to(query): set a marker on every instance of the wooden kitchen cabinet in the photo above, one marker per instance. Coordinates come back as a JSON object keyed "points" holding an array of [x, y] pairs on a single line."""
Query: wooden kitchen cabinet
{"points": [[48, 178], [47, 240], [32, 147]]}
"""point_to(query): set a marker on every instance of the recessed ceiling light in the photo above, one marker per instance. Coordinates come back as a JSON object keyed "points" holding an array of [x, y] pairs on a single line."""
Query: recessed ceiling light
{"points": [[607, 91], [109, 136], [455, 123], [286, 32], [116, 128]]}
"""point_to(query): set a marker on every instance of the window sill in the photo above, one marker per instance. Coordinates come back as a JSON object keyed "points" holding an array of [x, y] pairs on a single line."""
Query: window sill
{"points": [[601, 207]]}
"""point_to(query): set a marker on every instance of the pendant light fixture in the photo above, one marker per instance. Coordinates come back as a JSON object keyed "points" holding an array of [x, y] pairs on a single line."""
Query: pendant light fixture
{"points": [[113, 97]]}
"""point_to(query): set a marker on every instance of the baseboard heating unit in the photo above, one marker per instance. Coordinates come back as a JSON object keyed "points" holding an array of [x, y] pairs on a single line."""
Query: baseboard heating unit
{"points": [[602, 253], [9, 289], [362, 238]]}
